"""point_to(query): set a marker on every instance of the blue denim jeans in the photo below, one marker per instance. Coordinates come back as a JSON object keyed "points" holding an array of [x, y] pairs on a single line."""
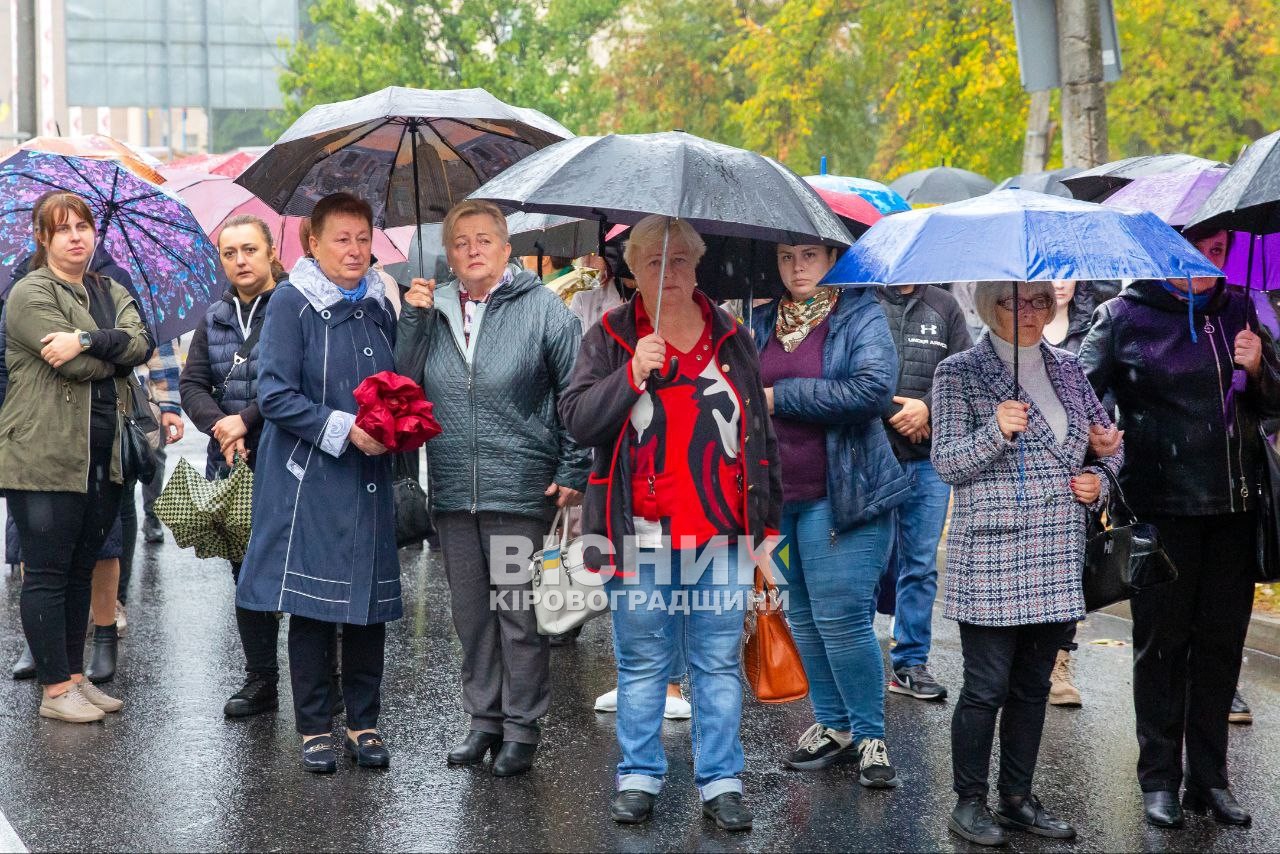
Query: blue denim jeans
{"points": [[914, 563], [831, 586], [645, 639]]}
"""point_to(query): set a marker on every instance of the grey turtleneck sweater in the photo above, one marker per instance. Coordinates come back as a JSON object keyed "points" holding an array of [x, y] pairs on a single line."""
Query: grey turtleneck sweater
{"points": [[1034, 380]]}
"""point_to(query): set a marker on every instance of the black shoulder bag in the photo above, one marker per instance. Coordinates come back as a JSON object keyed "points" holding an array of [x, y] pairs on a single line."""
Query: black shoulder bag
{"points": [[413, 518], [1122, 556], [137, 458], [1269, 513]]}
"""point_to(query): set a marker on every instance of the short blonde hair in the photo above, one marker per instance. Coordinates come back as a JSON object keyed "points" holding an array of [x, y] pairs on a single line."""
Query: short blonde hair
{"points": [[987, 294], [647, 234], [474, 207]]}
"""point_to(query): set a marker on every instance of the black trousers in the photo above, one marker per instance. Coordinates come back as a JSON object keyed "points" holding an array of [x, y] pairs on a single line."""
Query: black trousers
{"points": [[1006, 672], [128, 537], [311, 651], [61, 534], [259, 635], [1188, 638]]}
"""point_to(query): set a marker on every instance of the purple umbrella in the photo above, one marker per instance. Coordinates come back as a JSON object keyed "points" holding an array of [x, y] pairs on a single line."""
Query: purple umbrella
{"points": [[1176, 196], [148, 232]]}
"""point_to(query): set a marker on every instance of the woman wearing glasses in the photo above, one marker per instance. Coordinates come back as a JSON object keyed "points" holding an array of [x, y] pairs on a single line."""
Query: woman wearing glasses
{"points": [[1016, 457]]}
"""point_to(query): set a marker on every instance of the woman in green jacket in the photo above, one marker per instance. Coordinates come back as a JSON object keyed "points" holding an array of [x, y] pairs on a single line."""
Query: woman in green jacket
{"points": [[73, 339]]}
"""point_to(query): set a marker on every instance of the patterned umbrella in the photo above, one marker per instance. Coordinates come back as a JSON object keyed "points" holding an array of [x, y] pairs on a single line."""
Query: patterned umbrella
{"points": [[150, 233], [95, 146]]}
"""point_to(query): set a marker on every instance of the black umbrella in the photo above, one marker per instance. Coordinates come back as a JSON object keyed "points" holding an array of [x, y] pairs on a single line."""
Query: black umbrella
{"points": [[1096, 184], [1049, 183], [941, 185], [410, 153], [1248, 198], [718, 189], [546, 234]]}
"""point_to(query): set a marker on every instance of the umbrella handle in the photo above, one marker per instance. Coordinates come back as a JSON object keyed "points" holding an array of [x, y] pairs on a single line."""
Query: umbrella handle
{"points": [[657, 378]]}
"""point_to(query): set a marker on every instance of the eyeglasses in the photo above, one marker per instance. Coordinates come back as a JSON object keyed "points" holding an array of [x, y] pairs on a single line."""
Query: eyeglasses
{"points": [[1040, 303]]}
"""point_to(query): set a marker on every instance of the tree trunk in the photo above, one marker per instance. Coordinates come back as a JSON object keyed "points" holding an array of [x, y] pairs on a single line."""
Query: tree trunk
{"points": [[1035, 150], [1084, 95]]}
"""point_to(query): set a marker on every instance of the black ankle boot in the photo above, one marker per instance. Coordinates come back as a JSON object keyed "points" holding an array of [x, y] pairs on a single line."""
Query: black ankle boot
{"points": [[474, 747], [1162, 809], [259, 694], [514, 758], [102, 662], [1219, 802]]}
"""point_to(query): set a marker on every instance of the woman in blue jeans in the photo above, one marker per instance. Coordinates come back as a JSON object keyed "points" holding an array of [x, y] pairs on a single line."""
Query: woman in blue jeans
{"points": [[829, 366], [683, 467]]}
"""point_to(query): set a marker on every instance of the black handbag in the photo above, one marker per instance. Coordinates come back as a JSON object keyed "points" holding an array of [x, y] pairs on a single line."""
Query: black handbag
{"points": [[413, 518], [1268, 508], [137, 458], [1122, 557]]}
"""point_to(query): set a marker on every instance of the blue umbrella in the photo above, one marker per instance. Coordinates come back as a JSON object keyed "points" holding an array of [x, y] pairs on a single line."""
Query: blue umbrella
{"points": [[886, 201]]}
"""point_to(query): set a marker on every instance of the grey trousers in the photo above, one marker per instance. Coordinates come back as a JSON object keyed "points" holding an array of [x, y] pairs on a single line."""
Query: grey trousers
{"points": [[151, 491], [505, 662]]}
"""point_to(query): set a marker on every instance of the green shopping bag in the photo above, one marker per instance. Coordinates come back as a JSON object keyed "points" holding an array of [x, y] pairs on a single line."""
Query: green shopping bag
{"points": [[213, 516]]}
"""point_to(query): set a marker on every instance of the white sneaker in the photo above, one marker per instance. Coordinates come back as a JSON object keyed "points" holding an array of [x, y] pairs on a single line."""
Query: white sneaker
{"points": [[607, 702], [98, 697], [70, 706], [678, 709]]}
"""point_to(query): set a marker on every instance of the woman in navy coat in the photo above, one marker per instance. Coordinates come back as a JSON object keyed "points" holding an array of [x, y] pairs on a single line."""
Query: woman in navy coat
{"points": [[323, 548]]}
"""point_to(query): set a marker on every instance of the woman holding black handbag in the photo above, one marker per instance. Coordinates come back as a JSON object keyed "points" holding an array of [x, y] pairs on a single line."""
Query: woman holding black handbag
{"points": [[73, 339], [219, 387], [1192, 379]]}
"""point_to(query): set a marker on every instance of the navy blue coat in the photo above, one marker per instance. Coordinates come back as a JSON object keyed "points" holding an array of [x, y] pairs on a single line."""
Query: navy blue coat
{"points": [[324, 538], [859, 374]]}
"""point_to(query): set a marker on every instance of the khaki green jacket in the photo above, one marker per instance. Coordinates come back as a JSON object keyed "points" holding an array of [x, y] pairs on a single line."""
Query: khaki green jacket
{"points": [[44, 424]]}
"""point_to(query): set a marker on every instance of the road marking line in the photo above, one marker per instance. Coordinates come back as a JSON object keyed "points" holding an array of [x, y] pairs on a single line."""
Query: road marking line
{"points": [[9, 841]]}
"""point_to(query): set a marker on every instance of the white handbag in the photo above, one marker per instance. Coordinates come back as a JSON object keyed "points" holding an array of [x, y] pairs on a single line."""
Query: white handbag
{"points": [[565, 593]]}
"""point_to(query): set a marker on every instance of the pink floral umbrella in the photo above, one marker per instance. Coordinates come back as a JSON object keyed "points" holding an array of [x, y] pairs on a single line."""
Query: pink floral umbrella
{"points": [[216, 198]]}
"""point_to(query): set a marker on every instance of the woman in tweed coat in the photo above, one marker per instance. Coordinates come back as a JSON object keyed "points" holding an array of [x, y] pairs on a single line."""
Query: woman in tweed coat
{"points": [[1016, 545]]}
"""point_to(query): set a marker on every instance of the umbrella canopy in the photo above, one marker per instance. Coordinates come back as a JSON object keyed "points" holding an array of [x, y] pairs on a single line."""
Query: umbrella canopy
{"points": [[547, 234], [854, 211], [718, 189], [214, 199], [886, 201], [1020, 236], [411, 153], [148, 232], [941, 185], [1094, 185], [1041, 182], [230, 165], [1172, 196], [96, 146], [1248, 199]]}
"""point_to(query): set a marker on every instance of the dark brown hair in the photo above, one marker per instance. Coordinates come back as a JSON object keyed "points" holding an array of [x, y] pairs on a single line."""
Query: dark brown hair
{"points": [[277, 269], [338, 203], [51, 211]]}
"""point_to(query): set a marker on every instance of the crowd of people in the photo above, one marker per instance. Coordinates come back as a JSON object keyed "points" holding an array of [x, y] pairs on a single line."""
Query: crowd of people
{"points": [[844, 426]]}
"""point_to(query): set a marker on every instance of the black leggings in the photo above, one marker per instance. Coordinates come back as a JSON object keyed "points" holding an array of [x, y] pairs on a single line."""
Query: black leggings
{"points": [[61, 534]]}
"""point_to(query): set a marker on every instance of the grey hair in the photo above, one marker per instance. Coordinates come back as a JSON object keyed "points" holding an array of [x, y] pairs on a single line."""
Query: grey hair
{"points": [[647, 234], [987, 294]]}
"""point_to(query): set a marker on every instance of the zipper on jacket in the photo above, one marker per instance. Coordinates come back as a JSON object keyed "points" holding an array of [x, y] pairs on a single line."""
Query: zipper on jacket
{"points": [[1213, 345], [1244, 480], [471, 405]]}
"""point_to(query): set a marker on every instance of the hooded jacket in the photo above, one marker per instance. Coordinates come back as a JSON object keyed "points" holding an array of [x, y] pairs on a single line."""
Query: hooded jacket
{"points": [[1185, 456], [495, 397]]}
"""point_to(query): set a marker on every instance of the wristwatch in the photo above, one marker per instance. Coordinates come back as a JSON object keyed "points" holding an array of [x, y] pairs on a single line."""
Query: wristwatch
{"points": [[86, 340]]}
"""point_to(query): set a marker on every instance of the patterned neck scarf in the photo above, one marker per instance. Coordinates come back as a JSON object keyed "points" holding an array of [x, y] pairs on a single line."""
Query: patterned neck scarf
{"points": [[797, 319]]}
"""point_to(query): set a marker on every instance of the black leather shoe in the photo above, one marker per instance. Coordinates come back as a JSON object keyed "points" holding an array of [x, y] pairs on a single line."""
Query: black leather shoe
{"points": [[1026, 813], [971, 820], [1219, 802], [318, 755], [368, 750], [259, 694], [1162, 809], [514, 758], [474, 747], [1240, 712], [728, 811], [102, 660], [631, 806], [25, 666]]}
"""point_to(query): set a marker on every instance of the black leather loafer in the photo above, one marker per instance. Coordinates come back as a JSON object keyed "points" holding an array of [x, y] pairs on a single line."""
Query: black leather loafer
{"points": [[368, 750], [1027, 814], [971, 821], [318, 755], [729, 812], [631, 806], [513, 758], [1220, 803], [1162, 809], [474, 747]]}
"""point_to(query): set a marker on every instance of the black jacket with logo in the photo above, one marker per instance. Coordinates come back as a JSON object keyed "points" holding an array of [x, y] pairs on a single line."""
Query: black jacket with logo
{"points": [[927, 326]]}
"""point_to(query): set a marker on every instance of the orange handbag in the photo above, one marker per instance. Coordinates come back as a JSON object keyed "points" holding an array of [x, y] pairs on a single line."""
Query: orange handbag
{"points": [[770, 659]]}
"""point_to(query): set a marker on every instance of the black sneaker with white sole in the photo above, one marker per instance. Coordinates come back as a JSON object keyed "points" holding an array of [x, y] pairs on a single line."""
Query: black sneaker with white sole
{"points": [[818, 748], [916, 681], [874, 770]]}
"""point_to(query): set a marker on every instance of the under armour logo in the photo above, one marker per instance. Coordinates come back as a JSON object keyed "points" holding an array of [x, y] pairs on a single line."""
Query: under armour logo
{"points": [[928, 329]]}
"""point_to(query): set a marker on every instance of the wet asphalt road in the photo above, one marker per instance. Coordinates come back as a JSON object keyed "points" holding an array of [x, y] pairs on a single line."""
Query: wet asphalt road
{"points": [[170, 773]]}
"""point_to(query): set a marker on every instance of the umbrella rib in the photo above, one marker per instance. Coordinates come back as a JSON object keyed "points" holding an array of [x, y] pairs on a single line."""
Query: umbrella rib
{"points": [[138, 263], [89, 183], [294, 189], [391, 173], [178, 225], [465, 123], [163, 247], [479, 178]]}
